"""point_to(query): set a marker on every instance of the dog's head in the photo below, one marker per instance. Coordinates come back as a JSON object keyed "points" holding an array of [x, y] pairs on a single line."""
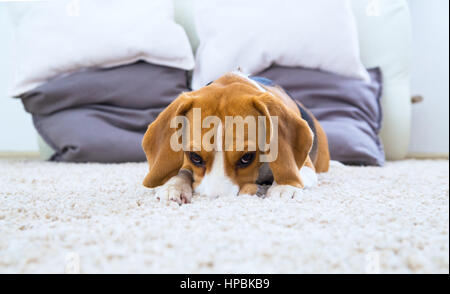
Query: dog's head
{"points": [[223, 133]]}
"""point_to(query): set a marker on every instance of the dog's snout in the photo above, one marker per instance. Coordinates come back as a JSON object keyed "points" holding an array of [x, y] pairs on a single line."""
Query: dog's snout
{"points": [[216, 183]]}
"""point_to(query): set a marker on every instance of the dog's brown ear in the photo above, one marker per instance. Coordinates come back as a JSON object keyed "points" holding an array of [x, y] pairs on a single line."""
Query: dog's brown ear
{"points": [[163, 161], [295, 139]]}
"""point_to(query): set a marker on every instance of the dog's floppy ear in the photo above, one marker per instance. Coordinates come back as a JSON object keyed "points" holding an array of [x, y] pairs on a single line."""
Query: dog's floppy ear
{"points": [[295, 139], [164, 162]]}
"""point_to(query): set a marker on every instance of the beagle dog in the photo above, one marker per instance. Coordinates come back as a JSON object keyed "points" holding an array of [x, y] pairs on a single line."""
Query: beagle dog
{"points": [[299, 141]]}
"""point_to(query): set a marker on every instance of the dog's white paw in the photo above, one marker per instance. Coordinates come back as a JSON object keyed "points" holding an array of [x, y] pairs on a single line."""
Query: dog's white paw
{"points": [[284, 191], [176, 189], [309, 177]]}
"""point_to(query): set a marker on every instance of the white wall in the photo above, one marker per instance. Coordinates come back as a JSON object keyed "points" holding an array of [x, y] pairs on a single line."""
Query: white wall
{"points": [[430, 76], [16, 128]]}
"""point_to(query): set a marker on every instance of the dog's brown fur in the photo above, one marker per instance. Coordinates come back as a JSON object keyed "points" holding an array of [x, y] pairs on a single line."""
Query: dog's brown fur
{"points": [[233, 95]]}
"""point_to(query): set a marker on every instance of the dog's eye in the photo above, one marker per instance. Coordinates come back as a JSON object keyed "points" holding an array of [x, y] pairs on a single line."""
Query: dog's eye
{"points": [[196, 159], [246, 160]]}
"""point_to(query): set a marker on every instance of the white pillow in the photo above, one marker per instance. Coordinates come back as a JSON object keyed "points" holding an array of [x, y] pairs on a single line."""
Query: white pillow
{"points": [[253, 34], [63, 36]]}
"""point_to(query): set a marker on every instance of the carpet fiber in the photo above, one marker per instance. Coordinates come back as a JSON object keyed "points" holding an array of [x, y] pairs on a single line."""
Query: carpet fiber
{"points": [[97, 218]]}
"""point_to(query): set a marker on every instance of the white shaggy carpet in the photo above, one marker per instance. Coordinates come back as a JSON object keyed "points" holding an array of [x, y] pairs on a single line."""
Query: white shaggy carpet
{"points": [[95, 218]]}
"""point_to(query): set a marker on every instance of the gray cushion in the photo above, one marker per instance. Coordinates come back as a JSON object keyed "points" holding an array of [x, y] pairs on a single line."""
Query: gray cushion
{"points": [[348, 109], [100, 115]]}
